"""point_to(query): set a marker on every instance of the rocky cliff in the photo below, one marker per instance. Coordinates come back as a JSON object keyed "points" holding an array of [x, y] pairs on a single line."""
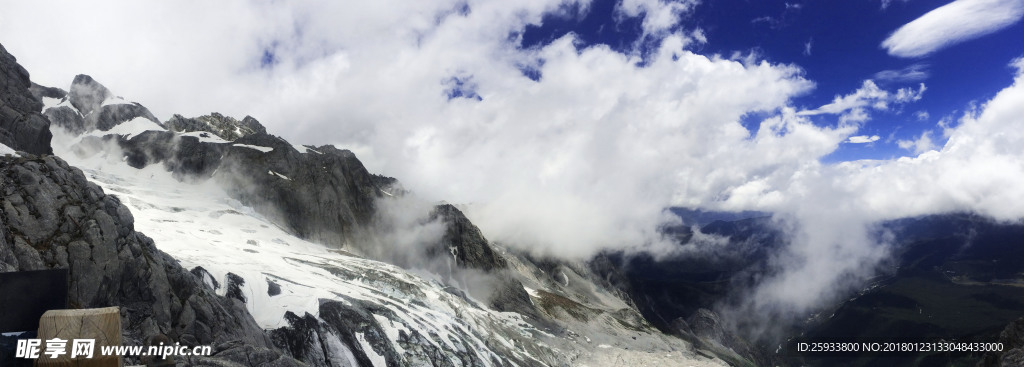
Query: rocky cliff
{"points": [[22, 128], [52, 217]]}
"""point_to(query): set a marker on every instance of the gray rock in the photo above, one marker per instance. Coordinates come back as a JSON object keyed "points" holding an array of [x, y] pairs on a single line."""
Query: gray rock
{"points": [[22, 127], [225, 127], [39, 91], [53, 218], [326, 197], [463, 239], [66, 118], [87, 95]]}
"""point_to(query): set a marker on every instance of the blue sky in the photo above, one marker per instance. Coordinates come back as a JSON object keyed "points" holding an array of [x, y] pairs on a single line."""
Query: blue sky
{"points": [[839, 45]]}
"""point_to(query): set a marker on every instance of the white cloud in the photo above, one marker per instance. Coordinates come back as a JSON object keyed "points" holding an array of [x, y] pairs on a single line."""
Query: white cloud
{"points": [[956, 22], [584, 158], [920, 145], [868, 95], [830, 209], [807, 47], [659, 16], [913, 73], [863, 139]]}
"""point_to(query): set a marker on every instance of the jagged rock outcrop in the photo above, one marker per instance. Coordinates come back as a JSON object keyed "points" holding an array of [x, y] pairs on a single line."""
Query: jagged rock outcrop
{"points": [[324, 194], [52, 217], [39, 91], [225, 127], [464, 241], [22, 128], [88, 106]]}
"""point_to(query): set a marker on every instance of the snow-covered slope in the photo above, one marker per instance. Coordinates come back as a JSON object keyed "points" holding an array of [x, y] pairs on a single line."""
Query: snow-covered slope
{"points": [[329, 306]]}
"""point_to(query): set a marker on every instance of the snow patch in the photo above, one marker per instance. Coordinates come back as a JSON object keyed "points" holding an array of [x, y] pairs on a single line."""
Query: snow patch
{"points": [[50, 102], [6, 150], [391, 331], [298, 147], [66, 102], [340, 354], [205, 137], [114, 101], [531, 291], [256, 147], [130, 128], [375, 358], [278, 175]]}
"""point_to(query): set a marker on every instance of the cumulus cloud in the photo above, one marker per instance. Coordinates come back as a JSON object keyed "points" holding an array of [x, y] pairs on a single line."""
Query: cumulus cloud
{"points": [[563, 149], [920, 145], [829, 210], [659, 16], [958, 21], [583, 156]]}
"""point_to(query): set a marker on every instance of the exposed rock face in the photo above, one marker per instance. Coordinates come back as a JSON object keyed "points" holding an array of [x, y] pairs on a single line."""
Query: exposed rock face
{"points": [[509, 296], [226, 127], [463, 240], [22, 128], [90, 106], [185, 156], [52, 217], [87, 95], [324, 195], [39, 91]]}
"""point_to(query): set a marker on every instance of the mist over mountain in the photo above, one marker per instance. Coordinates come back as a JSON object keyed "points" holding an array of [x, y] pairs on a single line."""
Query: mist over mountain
{"points": [[539, 182], [293, 242]]}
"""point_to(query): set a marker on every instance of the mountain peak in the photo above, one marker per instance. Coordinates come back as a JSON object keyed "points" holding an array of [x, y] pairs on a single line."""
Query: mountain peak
{"points": [[87, 95]]}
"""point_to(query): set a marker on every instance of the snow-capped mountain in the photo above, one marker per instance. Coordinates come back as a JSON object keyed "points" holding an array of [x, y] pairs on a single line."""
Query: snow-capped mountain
{"points": [[281, 254]]}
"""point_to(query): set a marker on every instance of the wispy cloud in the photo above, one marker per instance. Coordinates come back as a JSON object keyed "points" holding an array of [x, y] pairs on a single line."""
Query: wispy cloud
{"points": [[913, 73], [886, 3], [956, 22], [807, 47], [869, 95]]}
